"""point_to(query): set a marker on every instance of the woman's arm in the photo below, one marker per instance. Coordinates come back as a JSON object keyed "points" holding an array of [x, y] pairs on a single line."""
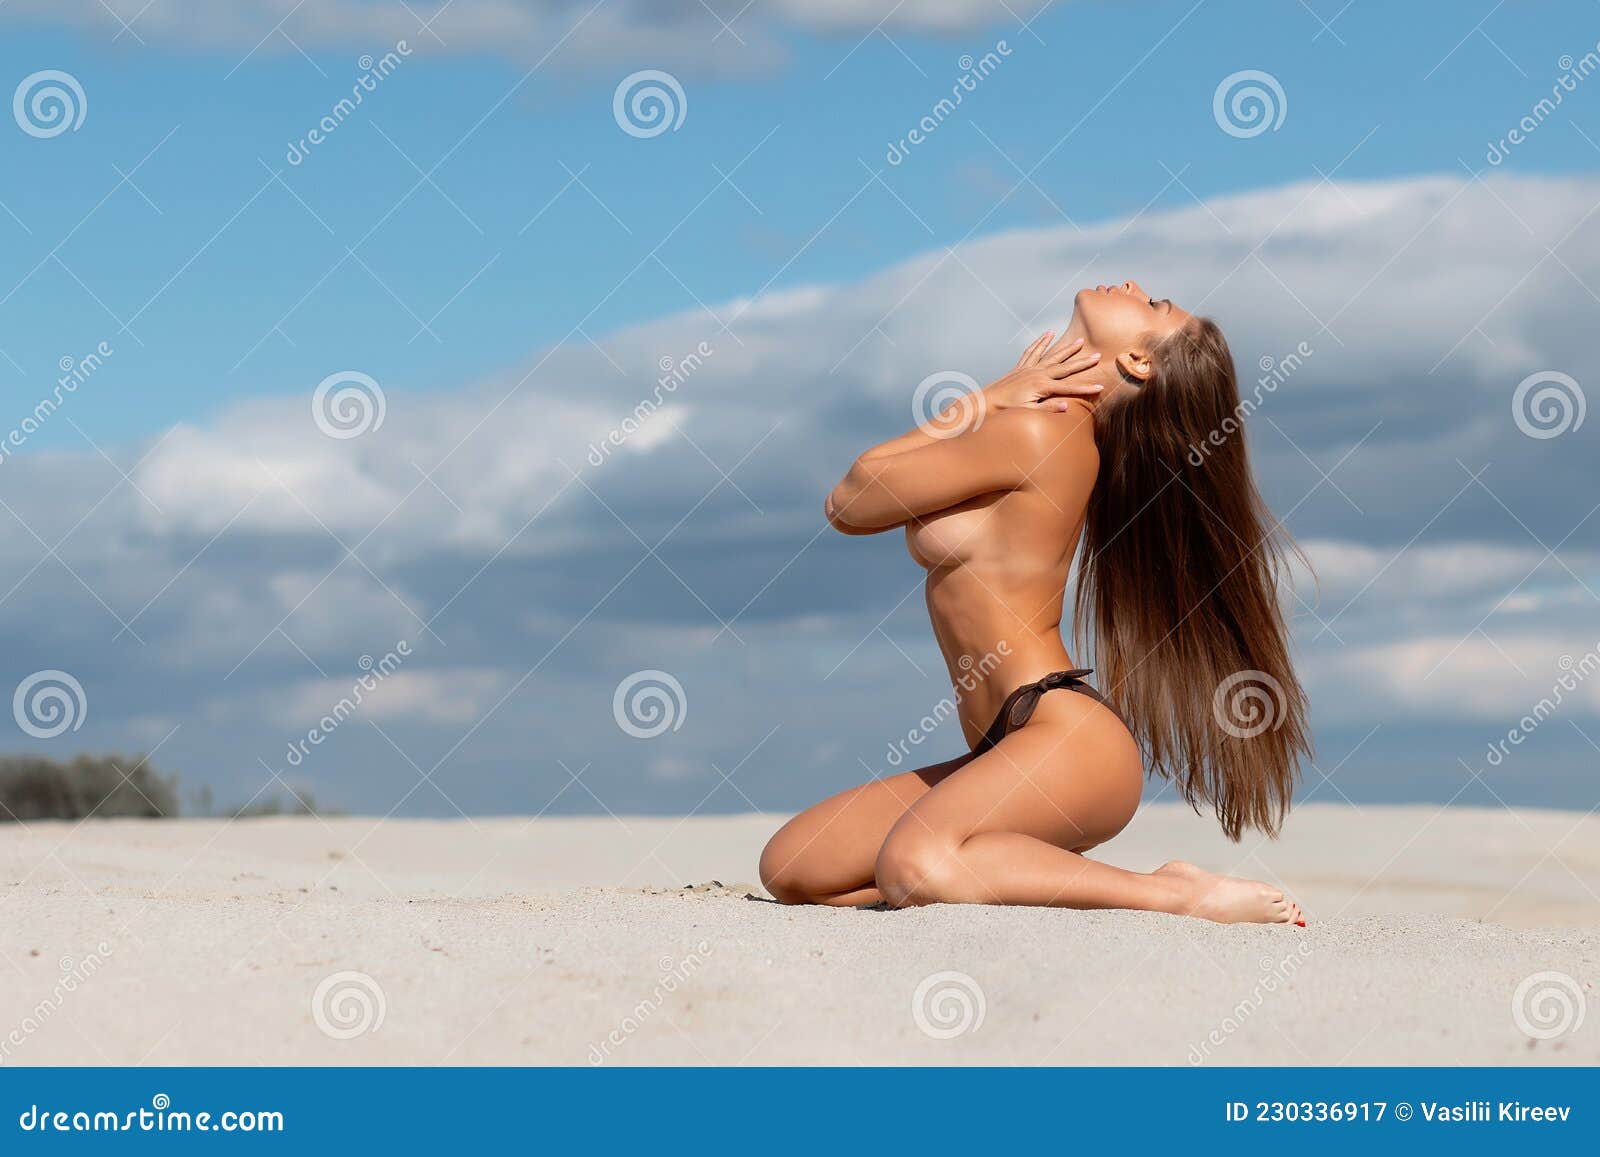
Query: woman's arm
{"points": [[952, 458], [1004, 453]]}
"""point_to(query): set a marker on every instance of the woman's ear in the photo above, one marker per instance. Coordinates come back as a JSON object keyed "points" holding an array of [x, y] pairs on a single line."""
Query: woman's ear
{"points": [[1135, 366]]}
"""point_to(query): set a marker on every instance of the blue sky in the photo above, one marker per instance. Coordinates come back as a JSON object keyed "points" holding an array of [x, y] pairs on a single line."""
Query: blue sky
{"points": [[515, 303], [801, 134]]}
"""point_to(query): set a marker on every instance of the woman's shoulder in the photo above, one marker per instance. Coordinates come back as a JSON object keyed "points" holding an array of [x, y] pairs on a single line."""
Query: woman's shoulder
{"points": [[1062, 439]]}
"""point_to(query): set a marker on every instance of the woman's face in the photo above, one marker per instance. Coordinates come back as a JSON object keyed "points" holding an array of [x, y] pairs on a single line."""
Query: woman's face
{"points": [[1124, 323]]}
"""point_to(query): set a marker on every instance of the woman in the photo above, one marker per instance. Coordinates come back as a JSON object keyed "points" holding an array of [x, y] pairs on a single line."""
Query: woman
{"points": [[1123, 434]]}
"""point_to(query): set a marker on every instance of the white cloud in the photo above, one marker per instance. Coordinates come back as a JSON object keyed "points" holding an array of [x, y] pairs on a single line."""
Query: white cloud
{"points": [[1429, 362], [1451, 677], [1430, 572], [450, 695]]}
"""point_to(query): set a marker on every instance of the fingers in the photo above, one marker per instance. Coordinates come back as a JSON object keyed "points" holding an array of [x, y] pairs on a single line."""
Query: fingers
{"points": [[1062, 391], [1058, 396], [1058, 381], [1072, 365], [1063, 351], [1031, 355]]}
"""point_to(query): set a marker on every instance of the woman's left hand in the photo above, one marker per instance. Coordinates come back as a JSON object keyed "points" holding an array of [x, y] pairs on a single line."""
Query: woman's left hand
{"points": [[1040, 377]]}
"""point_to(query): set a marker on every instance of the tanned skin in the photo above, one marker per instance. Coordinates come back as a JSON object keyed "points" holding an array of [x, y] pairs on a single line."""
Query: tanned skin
{"points": [[991, 497]]}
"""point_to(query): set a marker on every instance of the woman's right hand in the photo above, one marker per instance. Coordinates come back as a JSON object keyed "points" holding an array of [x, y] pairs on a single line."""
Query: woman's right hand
{"points": [[1040, 379]]}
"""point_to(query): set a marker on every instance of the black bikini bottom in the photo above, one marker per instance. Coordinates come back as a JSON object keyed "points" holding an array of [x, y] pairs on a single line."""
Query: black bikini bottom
{"points": [[1019, 705]]}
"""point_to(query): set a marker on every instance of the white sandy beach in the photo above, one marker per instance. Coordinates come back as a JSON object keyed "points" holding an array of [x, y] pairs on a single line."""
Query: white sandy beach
{"points": [[575, 941]]}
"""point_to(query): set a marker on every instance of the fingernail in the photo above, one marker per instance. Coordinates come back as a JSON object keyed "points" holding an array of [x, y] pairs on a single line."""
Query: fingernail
{"points": [[1094, 357]]}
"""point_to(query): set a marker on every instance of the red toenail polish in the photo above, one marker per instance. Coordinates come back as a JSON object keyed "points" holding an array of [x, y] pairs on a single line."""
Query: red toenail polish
{"points": [[1300, 923]]}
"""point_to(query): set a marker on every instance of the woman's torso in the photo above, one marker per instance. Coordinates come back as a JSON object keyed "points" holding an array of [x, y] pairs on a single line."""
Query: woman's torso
{"points": [[997, 574]]}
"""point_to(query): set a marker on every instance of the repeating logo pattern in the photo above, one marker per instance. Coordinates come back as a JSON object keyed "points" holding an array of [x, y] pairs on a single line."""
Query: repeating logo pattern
{"points": [[1248, 103], [49, 703], [648, 103], [948, 1004], [948, 403], [649, 703], [348, 404], [348, 1004], [1547, 1005], [49, 103], [1247, 703], [1548, 404]]}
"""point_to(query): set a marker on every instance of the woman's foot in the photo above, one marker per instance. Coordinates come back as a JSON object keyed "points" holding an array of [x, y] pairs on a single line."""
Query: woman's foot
{"points": [[1228, 899]]}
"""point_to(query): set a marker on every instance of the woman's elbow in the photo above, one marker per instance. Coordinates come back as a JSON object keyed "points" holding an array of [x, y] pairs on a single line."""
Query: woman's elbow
{"points": [[836, 501], [837, 506]]}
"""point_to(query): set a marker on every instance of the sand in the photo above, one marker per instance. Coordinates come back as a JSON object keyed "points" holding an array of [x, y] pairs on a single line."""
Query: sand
{"points": [[575, 941]]}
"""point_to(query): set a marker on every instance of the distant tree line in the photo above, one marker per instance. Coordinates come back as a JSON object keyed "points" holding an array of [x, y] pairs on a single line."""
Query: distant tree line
{"points": [[112, 786]]}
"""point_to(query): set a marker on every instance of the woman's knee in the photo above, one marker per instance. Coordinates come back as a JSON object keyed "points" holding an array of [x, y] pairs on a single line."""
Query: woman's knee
{"points": [[783, 870], [917, 867]]}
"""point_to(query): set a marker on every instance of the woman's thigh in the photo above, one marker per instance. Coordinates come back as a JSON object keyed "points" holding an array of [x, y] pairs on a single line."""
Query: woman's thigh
{"points": [[1071, 777], [829, 849]]}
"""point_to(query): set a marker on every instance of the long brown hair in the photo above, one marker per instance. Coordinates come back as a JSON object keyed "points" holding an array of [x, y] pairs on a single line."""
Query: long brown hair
{"points": [[1178, 586]]}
